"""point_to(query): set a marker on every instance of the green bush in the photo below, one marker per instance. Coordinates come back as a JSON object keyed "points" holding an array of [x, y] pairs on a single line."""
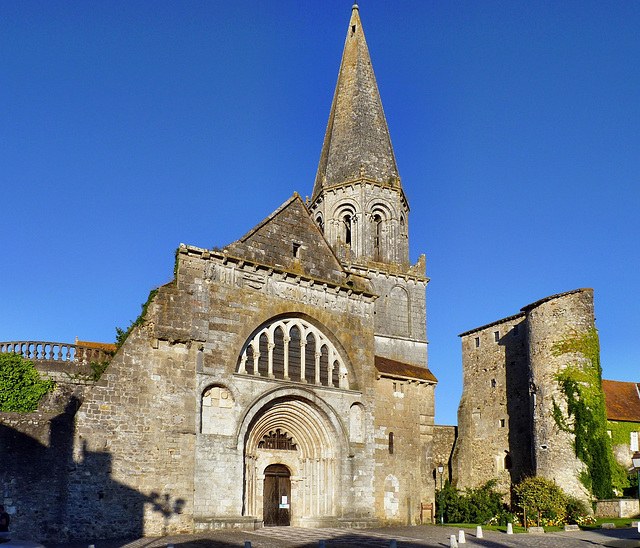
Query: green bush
{"points": [[20, 385], [577, 512], [542, 498], [471, 506]]}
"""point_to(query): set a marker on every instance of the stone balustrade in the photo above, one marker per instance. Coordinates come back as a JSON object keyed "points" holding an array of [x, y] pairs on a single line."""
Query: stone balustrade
{"points": [[38, 351]]}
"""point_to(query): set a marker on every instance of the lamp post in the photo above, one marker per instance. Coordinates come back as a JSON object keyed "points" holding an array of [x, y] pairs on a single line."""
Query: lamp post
{"points": [[441, 471], [636, 464]]}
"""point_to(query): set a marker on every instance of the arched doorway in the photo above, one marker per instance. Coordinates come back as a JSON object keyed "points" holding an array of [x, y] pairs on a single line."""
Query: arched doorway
{"points": [[296, 435], [277, 495]]}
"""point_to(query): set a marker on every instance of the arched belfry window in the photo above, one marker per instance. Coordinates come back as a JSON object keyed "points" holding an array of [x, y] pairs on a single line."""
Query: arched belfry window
{"points": [[377, 234], [292, 349], [347, 220], [320, 223]]}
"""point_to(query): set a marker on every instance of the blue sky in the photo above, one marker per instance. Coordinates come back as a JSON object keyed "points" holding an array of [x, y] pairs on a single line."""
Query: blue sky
{"points": [[127, 128]]}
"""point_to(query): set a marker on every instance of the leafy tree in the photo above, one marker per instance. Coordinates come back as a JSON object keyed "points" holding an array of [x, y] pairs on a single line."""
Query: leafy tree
{"points": [[544, 497], [20, 385]]}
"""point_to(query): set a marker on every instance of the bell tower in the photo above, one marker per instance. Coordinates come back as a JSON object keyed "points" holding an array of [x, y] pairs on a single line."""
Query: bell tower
{"points": [[360, 206], [357, 198]]}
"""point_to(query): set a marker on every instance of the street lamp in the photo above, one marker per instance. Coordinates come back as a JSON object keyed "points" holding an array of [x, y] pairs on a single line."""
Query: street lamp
{"points": [[441, 471], [636, 464]]}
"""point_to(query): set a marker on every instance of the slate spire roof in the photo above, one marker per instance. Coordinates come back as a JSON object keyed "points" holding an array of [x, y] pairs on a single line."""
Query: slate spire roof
{"points": [[357, 143]]}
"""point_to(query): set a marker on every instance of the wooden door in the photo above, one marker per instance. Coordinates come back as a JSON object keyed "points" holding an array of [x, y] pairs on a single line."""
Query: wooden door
{"points": [[277, 495]]}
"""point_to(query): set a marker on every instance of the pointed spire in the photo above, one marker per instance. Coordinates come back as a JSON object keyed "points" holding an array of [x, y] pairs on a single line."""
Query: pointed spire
{"points": [[357, 143]]}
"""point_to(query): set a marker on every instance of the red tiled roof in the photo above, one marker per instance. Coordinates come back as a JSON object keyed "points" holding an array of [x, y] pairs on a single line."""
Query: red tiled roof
{"points": [[404, 370], [107, 347], [622, 400]]}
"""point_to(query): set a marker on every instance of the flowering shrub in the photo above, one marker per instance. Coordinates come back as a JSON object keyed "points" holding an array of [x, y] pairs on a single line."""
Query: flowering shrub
{"points": [[547, 505], [577, 512]]}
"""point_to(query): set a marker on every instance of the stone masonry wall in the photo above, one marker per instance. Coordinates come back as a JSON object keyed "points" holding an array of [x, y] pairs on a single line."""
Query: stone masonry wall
{"points": [[233, 300], [404, 460], [548, 322], [35, 451], [444, 441], [493, 416], [135, 436]]}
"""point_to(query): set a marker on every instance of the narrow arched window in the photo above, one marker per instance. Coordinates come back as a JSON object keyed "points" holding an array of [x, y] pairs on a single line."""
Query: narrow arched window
{"points": [[391, 443], [347, 229], [377, 233], [507, 462]]}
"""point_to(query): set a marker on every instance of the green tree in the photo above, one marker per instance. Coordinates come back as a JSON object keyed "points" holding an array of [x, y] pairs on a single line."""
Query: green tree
{"points": [[543, 497], [21, 387]]}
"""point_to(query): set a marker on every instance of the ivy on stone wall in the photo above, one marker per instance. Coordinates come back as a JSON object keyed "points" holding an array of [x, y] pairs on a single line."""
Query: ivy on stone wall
{"points": [[621, 431], [122, 334], [21, 387], [586, 416]]}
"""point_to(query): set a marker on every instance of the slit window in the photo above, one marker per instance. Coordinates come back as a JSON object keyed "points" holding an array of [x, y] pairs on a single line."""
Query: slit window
{"points": [[296, 250], [391, 443], [477, 342], [496, 336]]}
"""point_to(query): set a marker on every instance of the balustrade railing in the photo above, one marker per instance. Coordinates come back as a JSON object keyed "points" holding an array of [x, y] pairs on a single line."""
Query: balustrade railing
{"points": [[56, 352]]}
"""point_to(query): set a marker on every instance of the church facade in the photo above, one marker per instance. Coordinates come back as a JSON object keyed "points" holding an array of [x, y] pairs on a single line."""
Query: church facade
{"points": [[282, 379]]}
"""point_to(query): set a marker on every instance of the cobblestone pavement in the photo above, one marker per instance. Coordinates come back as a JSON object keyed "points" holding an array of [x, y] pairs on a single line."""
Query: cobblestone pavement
{"points": [[405, 537]]}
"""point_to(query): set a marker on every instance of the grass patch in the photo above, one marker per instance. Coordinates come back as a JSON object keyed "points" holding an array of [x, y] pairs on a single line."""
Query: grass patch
{"points": [[620, 523]]}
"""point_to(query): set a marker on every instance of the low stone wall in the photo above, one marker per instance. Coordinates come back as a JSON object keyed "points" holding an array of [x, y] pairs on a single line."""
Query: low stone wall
{"points": [[617, 508]]}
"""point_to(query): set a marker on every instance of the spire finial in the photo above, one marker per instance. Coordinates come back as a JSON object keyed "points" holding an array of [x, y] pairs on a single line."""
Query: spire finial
{"points": [[355, 5]]}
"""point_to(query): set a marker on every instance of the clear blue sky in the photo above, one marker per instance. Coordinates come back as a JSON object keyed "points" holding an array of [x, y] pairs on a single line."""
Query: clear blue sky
{"points": [[127, 128]]}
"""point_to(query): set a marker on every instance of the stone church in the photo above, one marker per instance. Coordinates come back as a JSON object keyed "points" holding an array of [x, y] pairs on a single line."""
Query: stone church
{"points": [[280, 380]]}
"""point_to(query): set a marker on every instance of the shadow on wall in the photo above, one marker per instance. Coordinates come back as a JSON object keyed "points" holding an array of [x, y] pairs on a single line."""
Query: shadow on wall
{"points": [[52, 497], [518, 458]]}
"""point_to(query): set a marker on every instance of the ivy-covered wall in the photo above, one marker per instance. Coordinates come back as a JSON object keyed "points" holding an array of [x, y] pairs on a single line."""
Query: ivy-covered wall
{"points": [[621, 431], [581, 386]]}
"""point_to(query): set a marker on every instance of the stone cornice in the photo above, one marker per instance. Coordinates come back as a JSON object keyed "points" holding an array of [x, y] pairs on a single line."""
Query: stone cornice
{"points": [[386, 270], [224, 258], [364, 180]]}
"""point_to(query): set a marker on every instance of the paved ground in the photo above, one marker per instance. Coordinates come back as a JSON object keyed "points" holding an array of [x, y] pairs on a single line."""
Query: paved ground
{"points": [[405, 537]]}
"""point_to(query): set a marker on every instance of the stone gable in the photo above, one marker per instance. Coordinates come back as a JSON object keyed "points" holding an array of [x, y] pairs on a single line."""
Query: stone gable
{"points": [[289, 240]]}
